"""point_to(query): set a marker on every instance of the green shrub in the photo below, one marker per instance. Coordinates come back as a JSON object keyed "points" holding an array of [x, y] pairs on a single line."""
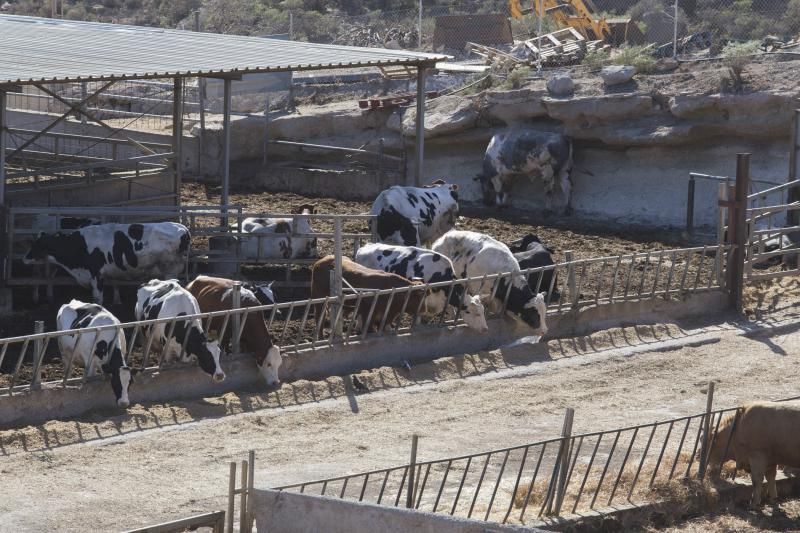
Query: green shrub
{"points": [[596, 59], [636, 56], [736, 56], [517, 77]]}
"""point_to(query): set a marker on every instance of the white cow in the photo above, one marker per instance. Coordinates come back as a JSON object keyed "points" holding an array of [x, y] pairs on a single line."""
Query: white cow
{"points": [[104, 350], [475, 255], [166, 299], [254, 247]]}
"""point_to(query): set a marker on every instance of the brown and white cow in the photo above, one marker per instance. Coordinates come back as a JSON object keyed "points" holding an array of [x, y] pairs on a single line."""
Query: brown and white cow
{"points": [[216, 294], [361, 277], [759, 437]]}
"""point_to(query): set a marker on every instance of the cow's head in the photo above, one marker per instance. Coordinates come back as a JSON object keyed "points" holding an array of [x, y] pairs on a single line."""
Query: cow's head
{"points": [[208, 359], [41, 248], [265, 296], [121, 382], [534, 314], [305, 209], [474, 314], [309, 248], [269, 366]]}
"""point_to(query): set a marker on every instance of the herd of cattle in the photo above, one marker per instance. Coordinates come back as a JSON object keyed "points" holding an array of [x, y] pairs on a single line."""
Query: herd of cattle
{"points": [[418, 246]]}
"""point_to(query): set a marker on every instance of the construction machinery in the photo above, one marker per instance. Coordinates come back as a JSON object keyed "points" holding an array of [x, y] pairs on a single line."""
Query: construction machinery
{"points": [[581, 15]]}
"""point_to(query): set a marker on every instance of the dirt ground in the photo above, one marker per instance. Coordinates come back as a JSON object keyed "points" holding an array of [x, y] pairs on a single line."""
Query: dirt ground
{"points": [[163, 461]]}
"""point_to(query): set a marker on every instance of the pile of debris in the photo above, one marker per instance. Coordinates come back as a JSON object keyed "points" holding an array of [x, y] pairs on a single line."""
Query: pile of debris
{"points": [[563, 47], [367, 36]]}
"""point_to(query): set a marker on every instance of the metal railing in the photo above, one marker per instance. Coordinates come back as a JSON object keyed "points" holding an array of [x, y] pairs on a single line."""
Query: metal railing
{"points": [[567, 475], [358, 314]]}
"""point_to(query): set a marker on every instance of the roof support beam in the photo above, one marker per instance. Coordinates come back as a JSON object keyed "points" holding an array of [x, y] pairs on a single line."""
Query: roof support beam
{"points": [[94, 119], [419, 151], [177, 136], [226, 145], [3, 127]]}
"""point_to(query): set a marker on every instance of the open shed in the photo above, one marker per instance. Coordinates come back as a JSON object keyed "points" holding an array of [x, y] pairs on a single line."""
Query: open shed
{"points": [[46, 55]]}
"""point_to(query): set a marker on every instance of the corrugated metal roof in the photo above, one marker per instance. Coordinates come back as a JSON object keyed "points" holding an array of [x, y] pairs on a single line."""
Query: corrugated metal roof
{"points": [[39, 50]]}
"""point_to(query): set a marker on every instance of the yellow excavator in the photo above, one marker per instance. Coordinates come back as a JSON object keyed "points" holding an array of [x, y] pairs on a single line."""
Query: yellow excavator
{"points": [[581, 15]]}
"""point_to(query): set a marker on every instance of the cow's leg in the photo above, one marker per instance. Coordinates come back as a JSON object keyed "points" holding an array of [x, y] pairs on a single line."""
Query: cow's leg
{"points": [[772, 489], [758, 467], [96, 285]]}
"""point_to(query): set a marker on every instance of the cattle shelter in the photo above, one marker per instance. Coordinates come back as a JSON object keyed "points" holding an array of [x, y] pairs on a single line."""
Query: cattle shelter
{"points": [[67, 149]]}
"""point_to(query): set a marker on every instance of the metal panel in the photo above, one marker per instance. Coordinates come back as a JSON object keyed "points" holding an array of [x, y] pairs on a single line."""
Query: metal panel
{"points": [[39, 50]]}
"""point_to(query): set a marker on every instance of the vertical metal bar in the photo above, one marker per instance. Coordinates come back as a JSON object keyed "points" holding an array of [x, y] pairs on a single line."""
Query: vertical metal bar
{"points": [[605, 469], [497, 485], [302, 323], [231, 497], [516, 483], [419, 26], [354, 316], [736, 275], [478, 487], [600, 283], [624, 464], [641, 462], [383, 487], [441, 486], [251, 461], [337, 271], [657, 274], [344, 487], [532, 483], [644, 274], [285, 322], [22, 353], [363, 488], [236, 317], [368, 320], [629, 277], [690, 197], [706, 427], [3, 127], [571, 286], [386, 311], [402, 484], [694, 449], [793, 194], [422, 485], [661, 454], [226, 149], [167, 341], [614, 279], [411, 465], [669, 275], [461, 486], [420, 127], [680, 449], [39, 346], [243, 498], [564, 459], [177, 136], [700, 268], [577, 295], [588, 470]]}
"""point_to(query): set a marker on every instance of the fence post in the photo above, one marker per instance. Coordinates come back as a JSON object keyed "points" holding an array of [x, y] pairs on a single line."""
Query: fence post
{"points": [[38, 327], [336, 283], [564, 456], [571, 285], [706, 431], [675, 31], [251, 461], [291, 26], [412, 465], [243, 499], [690, 206], [231, 496], [236, 318], [737, 231], [419, 26], [794, 169]]}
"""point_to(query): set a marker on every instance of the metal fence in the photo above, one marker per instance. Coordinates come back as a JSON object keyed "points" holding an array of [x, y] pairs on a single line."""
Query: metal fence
{"points": [[567, 475]]}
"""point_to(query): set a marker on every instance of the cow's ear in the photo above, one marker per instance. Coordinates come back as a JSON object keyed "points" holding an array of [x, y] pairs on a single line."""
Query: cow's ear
{"points": [[454, 187]]}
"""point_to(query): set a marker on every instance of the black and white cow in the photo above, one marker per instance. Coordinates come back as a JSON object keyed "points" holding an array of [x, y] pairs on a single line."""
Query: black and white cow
{"points": [[535, 155], [166, 299], [413, 216], [475, 255], [432, 267], [265, 296], [104, 350], [285, 247], [532, 253], [115, 251]]}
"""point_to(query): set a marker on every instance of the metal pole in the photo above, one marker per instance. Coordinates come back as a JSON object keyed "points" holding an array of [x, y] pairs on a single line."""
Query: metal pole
{"points": [[266, 131], [736, 276], [38, 327], [793, 217], [420, 140], [706, 429], [539, 36], [412, 466], [566, 433], [177, 135], [243, 499], [337, 273], [237, 317], [226, 146], [84, 94], [675, 31], [3, 148], [419, 26], [291, 26], [690, 206], [201, 100], [231, 496], [251, 461], [573, 296]]}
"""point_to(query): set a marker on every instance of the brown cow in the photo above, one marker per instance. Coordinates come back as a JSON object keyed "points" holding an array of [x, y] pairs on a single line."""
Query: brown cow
{"points": [[759, 437], [216, 294], [360, 277]]}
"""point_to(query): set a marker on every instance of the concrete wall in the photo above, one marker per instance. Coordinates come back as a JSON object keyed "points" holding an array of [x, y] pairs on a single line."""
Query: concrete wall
{"points": [[284, 512], [641, 185], [425, 344]]}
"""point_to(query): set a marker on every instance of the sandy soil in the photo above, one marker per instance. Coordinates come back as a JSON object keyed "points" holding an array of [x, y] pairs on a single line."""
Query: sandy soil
{"points": [[783, 517], [163, 461]]}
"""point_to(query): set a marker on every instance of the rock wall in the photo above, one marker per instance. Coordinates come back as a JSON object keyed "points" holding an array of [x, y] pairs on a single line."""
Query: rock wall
{"points": [[633, 150]]}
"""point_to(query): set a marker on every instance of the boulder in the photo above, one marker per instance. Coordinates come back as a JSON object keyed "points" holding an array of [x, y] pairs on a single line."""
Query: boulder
{"points": [[560, 85], [617, 74]]}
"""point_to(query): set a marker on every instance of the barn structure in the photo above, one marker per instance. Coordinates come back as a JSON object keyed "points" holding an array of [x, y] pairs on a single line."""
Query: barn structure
{"points": [[42, 164]]}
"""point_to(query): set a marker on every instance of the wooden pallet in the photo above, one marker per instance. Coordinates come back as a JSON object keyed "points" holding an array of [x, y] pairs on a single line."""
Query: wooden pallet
{"points": [[393, 101]]}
